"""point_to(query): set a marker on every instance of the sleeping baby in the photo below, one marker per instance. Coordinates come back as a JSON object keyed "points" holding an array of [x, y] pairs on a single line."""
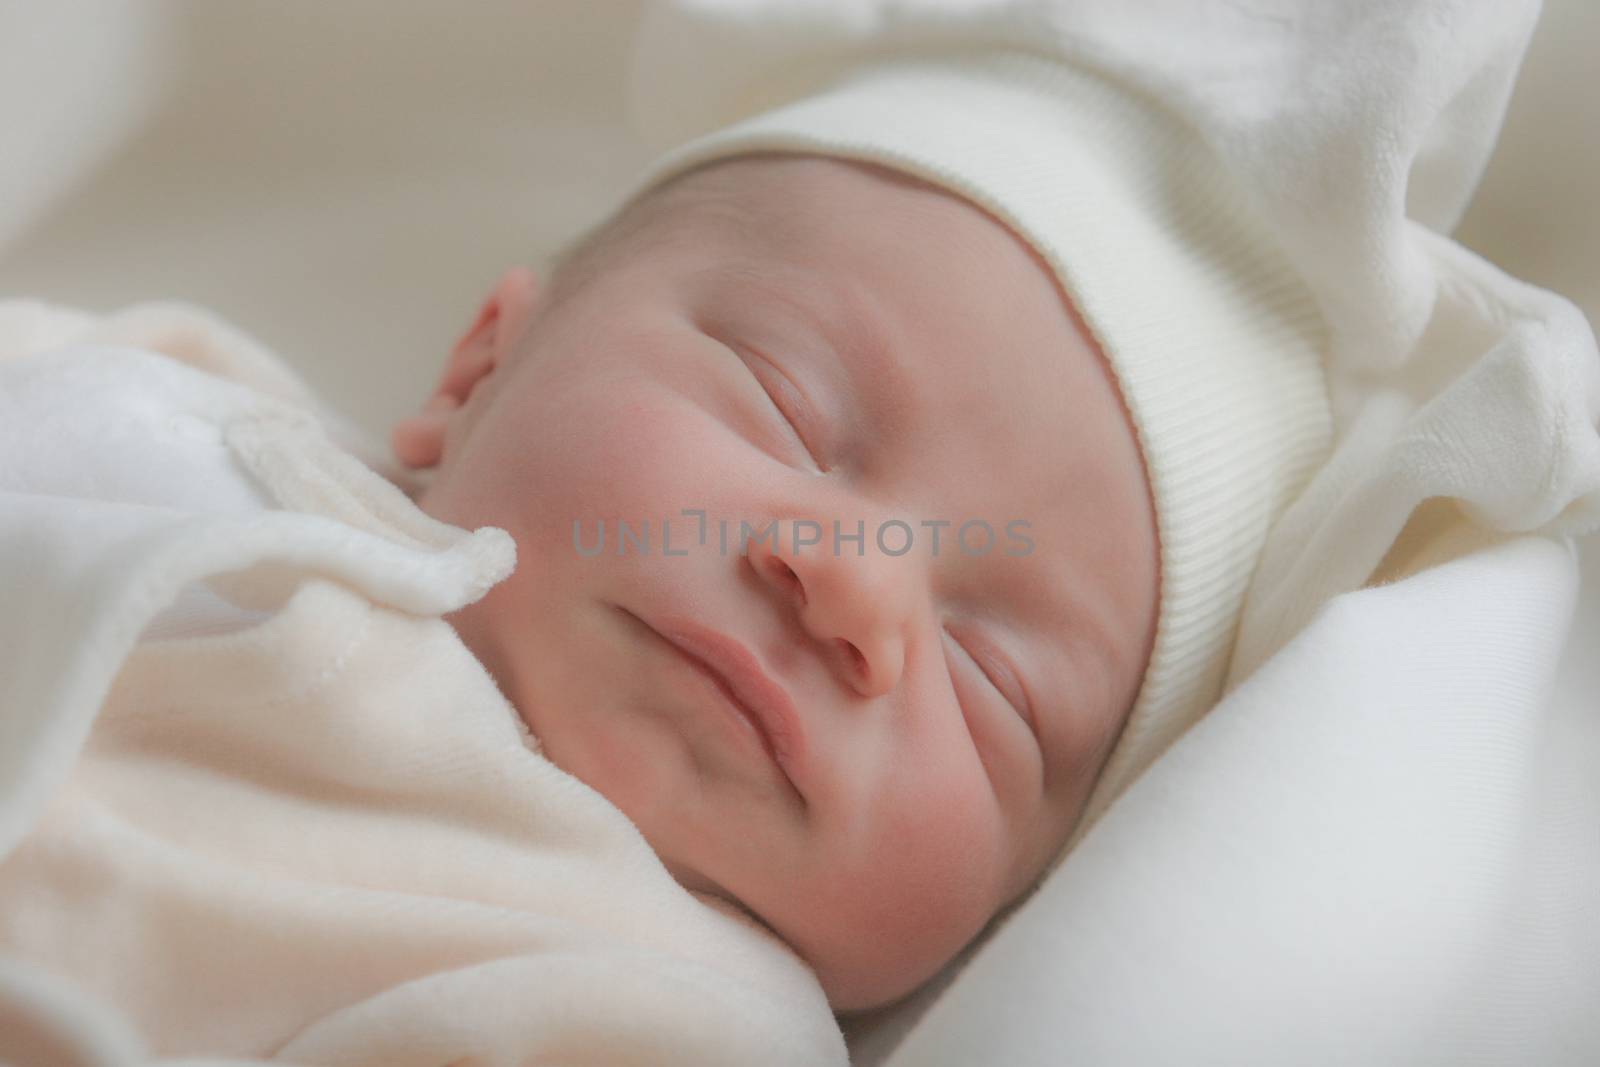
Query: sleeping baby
{"points": [[911, 728], [884, 478]]}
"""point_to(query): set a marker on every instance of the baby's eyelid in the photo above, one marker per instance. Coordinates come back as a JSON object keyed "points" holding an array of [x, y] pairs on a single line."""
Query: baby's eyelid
{"points": [[806, 422], [986, 660]]}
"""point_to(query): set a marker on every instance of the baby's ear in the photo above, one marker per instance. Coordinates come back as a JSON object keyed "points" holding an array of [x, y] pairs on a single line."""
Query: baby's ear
{"points": [[418, 440]]}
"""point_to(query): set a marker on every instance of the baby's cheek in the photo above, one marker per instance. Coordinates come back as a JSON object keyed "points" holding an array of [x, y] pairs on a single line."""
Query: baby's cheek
{"points": [[652, 455]]}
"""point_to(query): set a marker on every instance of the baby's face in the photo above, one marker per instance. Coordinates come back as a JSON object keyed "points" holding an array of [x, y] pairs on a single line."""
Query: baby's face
{"points": [[789, 338]]}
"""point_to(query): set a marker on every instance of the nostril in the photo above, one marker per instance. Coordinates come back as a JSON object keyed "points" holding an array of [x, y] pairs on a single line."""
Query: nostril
{"points": [[787, 575], [858, 662]]}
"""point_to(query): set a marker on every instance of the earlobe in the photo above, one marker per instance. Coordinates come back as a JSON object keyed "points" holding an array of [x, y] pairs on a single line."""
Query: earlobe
{"points": [[418, 440]]}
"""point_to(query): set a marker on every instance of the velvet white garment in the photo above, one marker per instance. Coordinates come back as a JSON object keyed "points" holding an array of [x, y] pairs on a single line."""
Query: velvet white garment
{"points": [[294, 819]]}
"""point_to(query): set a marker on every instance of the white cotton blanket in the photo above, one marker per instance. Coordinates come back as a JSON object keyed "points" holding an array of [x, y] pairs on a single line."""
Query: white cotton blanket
{"points": [[325, 838]]}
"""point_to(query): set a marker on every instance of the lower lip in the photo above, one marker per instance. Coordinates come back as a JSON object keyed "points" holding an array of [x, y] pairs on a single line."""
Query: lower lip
{"points": [[707, 684], [731, 710]]}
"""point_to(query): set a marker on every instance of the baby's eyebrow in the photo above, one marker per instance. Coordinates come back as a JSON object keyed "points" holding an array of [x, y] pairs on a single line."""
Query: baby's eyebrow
{"points": [[859, 333], [857, 329]]}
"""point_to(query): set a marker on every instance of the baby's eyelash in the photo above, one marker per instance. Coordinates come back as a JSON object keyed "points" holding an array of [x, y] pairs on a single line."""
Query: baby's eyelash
{"points": [[794, 423], [978, 660], [981, 669], [979, 664]]}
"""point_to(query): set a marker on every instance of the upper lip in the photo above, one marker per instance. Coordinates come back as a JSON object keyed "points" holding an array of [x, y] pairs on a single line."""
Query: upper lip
{"points": [[765, 701]]}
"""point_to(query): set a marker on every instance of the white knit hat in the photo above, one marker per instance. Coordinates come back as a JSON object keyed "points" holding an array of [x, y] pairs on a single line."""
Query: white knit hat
{"points": [[1215, 342]]}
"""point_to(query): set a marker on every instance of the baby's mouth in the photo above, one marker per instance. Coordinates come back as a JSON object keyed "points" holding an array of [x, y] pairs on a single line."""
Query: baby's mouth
{"points": [[756, 725]]}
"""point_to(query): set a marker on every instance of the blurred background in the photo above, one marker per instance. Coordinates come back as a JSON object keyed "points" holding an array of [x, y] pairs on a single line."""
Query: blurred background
{"points": [[345, 181]]}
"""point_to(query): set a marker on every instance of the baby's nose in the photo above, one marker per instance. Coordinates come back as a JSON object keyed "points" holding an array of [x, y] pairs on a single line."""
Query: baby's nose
{"points": [[856, 607]]}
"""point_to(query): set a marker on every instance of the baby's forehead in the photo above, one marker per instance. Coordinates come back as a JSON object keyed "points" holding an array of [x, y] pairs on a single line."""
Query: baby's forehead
{"points": [[781, 203]]}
